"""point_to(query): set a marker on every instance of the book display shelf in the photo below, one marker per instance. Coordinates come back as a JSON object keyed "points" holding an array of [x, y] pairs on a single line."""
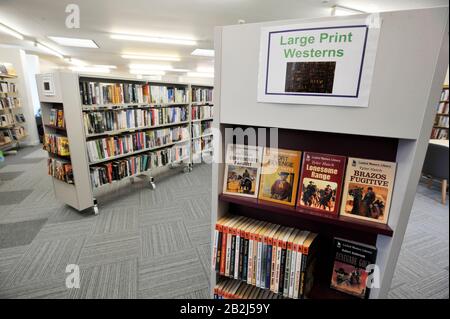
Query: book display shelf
{"points": [[441, 124], [104, 130], [202, 115], [12, 131], [379, 132]]}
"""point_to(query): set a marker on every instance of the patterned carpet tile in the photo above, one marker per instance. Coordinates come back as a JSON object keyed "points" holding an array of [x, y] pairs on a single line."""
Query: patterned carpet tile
{"points": [[21, 213], [9, 257], [13, 197], [19, 233], [44, 289], [9, 176], [164, 238], [72, 229], [110, 248], [170, 276], [117, 220], [45, 260], [204, 253], [107, 281]]}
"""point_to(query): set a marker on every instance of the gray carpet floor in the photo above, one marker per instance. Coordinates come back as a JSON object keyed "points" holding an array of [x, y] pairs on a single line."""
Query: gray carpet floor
{"points": [[155, 243]]}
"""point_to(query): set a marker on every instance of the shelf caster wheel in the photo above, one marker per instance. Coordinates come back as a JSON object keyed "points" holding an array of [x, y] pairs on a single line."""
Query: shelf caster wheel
{"points": [[95, 210], [188, 169], [152, 185]]}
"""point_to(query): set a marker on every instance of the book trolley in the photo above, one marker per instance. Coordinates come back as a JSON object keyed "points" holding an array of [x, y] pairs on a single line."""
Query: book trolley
{"points": [[410, 65], [61, 91]]}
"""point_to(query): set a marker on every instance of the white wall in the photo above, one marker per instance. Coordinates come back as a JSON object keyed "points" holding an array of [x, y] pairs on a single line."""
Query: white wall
{"points": [[446, 78], [33, 69], [19, 60]]}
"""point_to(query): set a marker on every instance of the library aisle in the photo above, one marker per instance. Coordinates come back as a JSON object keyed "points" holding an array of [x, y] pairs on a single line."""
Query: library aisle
{"points": [[155, 244]]}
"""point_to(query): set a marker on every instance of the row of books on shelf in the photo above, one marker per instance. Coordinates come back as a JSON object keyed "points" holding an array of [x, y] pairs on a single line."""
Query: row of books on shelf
{"points": [[107, 121], [324, 184], [439, 133], [104, 148], [8, 87], [56, 118], [201, 128], [202, 94], [202, 144], [5, 137], [56, 144], [444, 94], [96, 93], [7, 119], [227, 288], [200, 112], [133, 165], [284, 260], [442, 108], [441, 121], [18, 132], [60, 169], [9, 102]]}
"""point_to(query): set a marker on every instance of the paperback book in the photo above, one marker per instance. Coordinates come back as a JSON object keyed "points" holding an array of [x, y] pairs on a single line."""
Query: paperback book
{"points": [[321, 183], [242, 170], [350, 268], [368, 189], [279, 175]]}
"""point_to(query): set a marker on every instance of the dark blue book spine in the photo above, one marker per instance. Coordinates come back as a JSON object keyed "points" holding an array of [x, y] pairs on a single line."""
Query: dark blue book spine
{"points": [[268, 265]]}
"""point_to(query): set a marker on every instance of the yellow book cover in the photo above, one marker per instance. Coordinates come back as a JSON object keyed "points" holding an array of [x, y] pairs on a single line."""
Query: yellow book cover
{"points": [[279, 175]]}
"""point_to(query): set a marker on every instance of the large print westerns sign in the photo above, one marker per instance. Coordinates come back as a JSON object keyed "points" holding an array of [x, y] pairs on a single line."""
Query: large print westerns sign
{"points": [[325, 63]]}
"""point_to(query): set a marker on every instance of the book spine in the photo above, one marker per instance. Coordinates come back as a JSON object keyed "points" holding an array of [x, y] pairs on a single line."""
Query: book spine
{"points": [[268, 266], [232, 255], [237, 256], [287, 273], [223, 253], [282, 270], [250, 260], [228, 254], [292, 273], [241, 256]]}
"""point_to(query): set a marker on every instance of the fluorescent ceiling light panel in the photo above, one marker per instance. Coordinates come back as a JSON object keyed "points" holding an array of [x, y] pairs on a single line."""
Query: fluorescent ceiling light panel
{"points": [[88, 69], [49, 50], [8, 30], [153, 39], [147, 72], [203, 52], [160, 67], [106, 66], [150, 57], [203, 69], [75, 62], [200, 75], [343, 11], [75, 42]]}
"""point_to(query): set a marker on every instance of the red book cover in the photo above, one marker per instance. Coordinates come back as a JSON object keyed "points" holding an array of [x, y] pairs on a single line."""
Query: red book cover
{"points": [[321, 183]]}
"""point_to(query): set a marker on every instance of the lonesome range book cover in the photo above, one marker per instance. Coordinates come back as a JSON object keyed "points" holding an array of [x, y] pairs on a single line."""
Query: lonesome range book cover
{"points": [[321, 183], [279, 175], [368, 189], [242, 170], [310, 77], [350, 272]]}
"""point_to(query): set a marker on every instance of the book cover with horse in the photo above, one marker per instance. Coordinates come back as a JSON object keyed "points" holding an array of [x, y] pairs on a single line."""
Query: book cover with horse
{"points": [[321, 183], [242, 170], [368, 189], [279, 175]]}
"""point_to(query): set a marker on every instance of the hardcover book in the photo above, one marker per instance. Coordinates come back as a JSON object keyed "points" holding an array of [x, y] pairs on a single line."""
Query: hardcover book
{"points": [[321, 183], [368, 189], [310, 77], [350, 271], [242, 170], [279, 175]]}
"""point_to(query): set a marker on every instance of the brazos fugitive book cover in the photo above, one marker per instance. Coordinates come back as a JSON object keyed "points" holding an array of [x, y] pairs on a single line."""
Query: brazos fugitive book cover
{"points": [[368, 189]]}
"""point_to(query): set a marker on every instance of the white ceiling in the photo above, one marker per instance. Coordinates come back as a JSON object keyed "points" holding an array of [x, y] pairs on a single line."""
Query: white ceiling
{"points": [[176, 18]]}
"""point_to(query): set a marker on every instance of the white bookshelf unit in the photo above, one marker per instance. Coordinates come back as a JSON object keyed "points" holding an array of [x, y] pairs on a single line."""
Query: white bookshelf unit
{"points": [[62, 90], [11, 119], [202, 115], [410, 65]]}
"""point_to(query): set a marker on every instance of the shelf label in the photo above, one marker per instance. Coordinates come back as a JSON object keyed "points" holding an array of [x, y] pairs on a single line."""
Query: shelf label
{"points": [[326, 63]]}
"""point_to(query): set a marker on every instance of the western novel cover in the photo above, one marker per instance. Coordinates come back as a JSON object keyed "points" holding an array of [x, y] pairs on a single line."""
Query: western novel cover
{"points": [[321, 182], [242, 170], [310, 77], [350, 268], [368, 189], [279, 175]]}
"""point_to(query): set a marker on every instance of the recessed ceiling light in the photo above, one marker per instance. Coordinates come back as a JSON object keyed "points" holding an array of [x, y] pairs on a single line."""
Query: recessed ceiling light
{"points": [[75, 42], [89, 69], [153, 39], [203, 52], [200, 75], [150, 57], [8, 30]]}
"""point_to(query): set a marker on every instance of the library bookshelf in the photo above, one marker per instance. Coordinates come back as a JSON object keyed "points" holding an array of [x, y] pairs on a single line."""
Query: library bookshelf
{"points": [[12, 131], [380, 131], [202, 115], [67, 94], [441, 121]]}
